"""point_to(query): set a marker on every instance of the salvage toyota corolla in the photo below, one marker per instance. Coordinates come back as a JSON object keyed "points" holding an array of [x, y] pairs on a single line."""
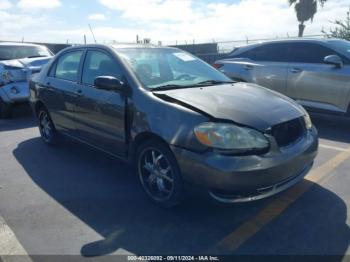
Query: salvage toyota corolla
{"points": [[177, 120]]}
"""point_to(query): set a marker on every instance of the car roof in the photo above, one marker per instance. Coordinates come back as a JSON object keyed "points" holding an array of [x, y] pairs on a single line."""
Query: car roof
{"points": [[118, 46], [243, 48], [293, 40], [18, 44]]}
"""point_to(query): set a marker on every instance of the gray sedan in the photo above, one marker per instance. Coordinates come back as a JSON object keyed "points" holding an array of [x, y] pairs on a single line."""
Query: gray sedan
{"points": [[177, 120], [314, 72]]}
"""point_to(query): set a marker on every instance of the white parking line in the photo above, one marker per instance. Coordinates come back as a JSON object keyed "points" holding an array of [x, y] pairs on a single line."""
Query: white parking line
{"points": [[336, 148], [10, 246]]}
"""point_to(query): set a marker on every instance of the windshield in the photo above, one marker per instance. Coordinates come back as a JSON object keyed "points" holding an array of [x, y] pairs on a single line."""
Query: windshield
{"points": [[341, 46], [161, 68], [17, 52]]}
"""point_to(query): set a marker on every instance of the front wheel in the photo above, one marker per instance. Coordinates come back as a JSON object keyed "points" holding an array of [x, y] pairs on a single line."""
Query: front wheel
{"points": [[159, 173], [46, 127]]}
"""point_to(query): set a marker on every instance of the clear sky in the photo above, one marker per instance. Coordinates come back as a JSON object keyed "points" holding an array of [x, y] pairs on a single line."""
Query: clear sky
{"points": [[160, 20]]}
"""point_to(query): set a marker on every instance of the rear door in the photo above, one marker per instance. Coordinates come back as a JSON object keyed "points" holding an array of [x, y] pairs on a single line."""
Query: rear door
{"points": [[315, 84], [266, 65], [60, 93], [100, 114]]}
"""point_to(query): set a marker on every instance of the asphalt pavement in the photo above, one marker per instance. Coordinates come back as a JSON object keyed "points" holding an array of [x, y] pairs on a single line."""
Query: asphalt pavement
{"points": [[74, 200]]}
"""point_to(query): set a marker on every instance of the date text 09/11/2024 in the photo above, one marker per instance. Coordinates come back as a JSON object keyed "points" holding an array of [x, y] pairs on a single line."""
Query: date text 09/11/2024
{"points": [[173, 258]]}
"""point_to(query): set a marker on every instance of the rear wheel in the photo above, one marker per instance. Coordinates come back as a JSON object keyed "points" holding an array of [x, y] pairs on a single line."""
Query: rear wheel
{"points": [[159, 173], [5, 109], [46, 127]]}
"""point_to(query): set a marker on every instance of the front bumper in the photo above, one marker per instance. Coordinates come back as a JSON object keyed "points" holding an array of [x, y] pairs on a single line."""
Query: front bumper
{"points": [[248, 178], [16, 92]]}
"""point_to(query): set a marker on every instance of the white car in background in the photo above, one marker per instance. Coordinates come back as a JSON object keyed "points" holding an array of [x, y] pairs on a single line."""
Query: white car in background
{"points": [[18, 62]]}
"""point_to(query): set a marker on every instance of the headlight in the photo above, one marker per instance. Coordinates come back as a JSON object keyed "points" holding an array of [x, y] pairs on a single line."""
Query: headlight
{"points": [[307, 120], [230, 137], [7, 76]]}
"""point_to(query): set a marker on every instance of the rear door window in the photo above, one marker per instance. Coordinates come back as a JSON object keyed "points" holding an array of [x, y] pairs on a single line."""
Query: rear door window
{"points": [[68, 66], [276, 52]]}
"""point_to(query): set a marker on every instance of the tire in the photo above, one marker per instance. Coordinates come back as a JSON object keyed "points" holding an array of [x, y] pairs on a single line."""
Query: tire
{"points": [[5, 110], [159, 173], [46, 127]]}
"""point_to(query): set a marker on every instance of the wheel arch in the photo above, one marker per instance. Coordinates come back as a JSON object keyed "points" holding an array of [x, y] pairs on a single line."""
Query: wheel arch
{"points": [[38, 104], [141, 138]]}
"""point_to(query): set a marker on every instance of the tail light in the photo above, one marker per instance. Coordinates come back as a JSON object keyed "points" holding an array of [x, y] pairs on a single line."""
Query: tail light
{"points": [[217, 65]]}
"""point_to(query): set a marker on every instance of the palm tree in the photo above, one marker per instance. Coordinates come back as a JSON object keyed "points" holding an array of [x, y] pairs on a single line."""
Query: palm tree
{"points": [[305, 10]]}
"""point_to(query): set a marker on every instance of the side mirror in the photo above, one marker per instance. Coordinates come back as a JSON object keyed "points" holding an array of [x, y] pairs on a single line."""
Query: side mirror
{"points": [[333, 60], [109, 83]]}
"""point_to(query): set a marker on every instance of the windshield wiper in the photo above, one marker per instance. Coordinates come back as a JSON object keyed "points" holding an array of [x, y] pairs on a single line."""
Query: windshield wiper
{"points": [[204, 83], [168, 87], [212, 82], [35, 56]]}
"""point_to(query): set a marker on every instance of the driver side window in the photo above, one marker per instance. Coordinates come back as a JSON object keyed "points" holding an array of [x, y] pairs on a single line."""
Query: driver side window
{"points": [[98, 63]]}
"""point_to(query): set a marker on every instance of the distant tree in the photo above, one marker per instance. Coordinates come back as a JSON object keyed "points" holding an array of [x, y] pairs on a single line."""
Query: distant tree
{"points": [[342, 29], [305, 10]]}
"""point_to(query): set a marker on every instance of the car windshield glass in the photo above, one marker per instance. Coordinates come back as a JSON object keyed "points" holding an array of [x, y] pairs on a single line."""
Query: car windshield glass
{"points": [[165, 68], [17, 52], [341, 46]]}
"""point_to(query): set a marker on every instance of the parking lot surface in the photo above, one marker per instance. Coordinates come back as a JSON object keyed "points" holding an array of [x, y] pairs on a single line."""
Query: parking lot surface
{"points": [[73, 200]]}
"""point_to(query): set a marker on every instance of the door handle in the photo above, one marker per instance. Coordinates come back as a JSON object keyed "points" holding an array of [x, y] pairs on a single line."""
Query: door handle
{"points": [[248, 67], [79, 92], [296, 70]]}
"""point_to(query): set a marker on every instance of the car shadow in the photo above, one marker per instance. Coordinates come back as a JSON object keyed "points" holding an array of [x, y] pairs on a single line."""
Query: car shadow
{"points": [[332, 127], [105, 194], [22, 117]]}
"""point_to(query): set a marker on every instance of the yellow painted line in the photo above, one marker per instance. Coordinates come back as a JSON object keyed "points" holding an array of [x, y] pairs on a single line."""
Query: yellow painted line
{"points": [[244, 232]]}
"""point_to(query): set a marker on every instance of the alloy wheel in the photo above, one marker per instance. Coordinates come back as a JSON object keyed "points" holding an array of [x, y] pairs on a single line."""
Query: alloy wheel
{"points": [[45, 125], [156, 174]]}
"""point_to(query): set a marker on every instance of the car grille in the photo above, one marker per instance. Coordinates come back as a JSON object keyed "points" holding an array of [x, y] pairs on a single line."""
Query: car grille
{"points": [[288, 133]]}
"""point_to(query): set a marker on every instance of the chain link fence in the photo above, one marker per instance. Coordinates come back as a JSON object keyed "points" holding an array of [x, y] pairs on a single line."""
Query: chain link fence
{"points": [[210, 52]]}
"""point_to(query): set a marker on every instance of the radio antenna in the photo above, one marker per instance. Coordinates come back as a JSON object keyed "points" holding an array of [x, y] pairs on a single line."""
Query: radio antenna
{"points": [[92, 32]]}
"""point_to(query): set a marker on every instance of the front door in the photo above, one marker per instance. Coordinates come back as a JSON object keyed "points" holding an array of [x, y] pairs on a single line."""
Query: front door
{"points": [[100, 114]]}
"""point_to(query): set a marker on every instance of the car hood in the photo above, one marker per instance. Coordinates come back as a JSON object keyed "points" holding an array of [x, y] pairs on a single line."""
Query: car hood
{"points": [[30, 63], [246, 104]]}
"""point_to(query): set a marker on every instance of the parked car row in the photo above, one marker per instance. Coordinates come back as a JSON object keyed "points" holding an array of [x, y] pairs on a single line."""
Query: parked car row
{"points": [[18, 61], [177, 120], [314, 72]]}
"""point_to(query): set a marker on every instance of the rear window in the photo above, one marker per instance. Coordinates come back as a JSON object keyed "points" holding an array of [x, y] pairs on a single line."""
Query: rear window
{"points": [[233, 52]]}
